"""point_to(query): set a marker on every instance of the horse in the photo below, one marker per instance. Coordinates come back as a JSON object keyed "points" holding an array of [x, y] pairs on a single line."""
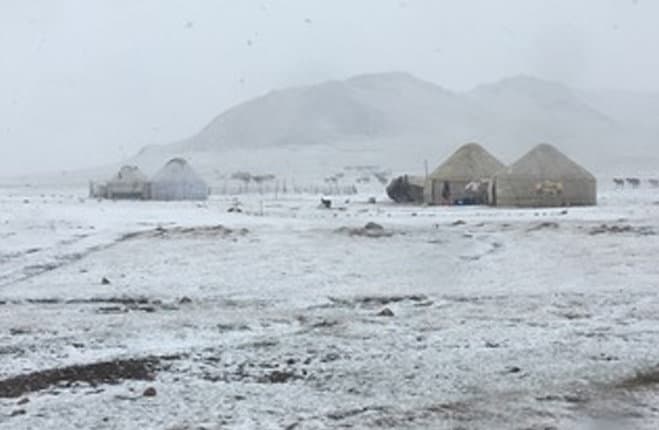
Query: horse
{"points": [[620, 183], [634, 182]]}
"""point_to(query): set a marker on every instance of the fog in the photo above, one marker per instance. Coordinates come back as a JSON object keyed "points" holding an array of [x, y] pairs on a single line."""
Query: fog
{"points": [[319, 214], [86, 83]]}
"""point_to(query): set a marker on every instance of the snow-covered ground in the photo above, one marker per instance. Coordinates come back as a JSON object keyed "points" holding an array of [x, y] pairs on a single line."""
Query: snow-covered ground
{"points": [[502, 319]]}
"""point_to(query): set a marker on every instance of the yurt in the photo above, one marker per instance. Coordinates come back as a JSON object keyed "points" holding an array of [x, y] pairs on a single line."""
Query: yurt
{"points": [[128, 183], [544, 177], [464, 178], [177, 180]]}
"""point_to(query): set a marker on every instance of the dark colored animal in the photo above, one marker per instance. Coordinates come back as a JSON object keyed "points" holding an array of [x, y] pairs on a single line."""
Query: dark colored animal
{"points": [[654, 183], [634, 182], [620, 183], [402, 190], [327, 203]]}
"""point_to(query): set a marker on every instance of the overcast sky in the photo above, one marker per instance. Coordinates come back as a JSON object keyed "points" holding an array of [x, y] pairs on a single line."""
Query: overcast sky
{"points": [[89, 82]]}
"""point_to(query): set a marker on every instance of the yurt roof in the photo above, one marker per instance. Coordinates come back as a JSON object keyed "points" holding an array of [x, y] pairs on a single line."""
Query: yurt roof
{"points": [[468, 163], [129, 174], [177, 169], [546, 162]]}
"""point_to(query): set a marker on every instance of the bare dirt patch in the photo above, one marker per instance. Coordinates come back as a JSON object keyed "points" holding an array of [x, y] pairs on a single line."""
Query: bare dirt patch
{"points": [[109, 304], [107, 372], [620, 228], [377, 301], [544, 226], [371, 230], [642, 380], [185, 232]]}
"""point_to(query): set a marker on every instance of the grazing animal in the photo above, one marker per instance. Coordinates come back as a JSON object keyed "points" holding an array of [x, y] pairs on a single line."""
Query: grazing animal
{"points": [[654, 183], [327, 203], [620, 183], [634, 182]]}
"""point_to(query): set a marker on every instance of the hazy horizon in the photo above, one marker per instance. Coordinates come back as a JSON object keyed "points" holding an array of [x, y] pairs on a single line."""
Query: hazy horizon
{"points": [[90, 83]]}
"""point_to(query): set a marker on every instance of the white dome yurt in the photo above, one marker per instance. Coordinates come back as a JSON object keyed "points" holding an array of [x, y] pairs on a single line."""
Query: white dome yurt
{"points": [[177, 180]]}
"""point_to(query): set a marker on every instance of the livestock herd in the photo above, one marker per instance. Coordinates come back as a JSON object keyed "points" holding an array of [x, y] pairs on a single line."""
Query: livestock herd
{"points": [[634, 182]]}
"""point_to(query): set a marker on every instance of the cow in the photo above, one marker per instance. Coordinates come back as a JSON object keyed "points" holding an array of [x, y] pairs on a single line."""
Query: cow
{"points": [[654, 183]]}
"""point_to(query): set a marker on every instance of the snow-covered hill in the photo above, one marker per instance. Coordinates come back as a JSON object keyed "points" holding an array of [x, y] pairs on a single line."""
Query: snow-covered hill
{"points": [[397, 121]]}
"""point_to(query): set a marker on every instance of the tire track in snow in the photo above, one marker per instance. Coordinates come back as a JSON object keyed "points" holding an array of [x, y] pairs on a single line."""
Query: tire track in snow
{"points": [[51, 263], [30, 271]]}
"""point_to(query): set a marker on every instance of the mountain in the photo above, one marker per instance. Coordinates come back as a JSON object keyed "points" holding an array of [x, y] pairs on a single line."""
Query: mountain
{"points": [[527, 98], [363, 107], [397, 120], [632, 108], [525, 109]]}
